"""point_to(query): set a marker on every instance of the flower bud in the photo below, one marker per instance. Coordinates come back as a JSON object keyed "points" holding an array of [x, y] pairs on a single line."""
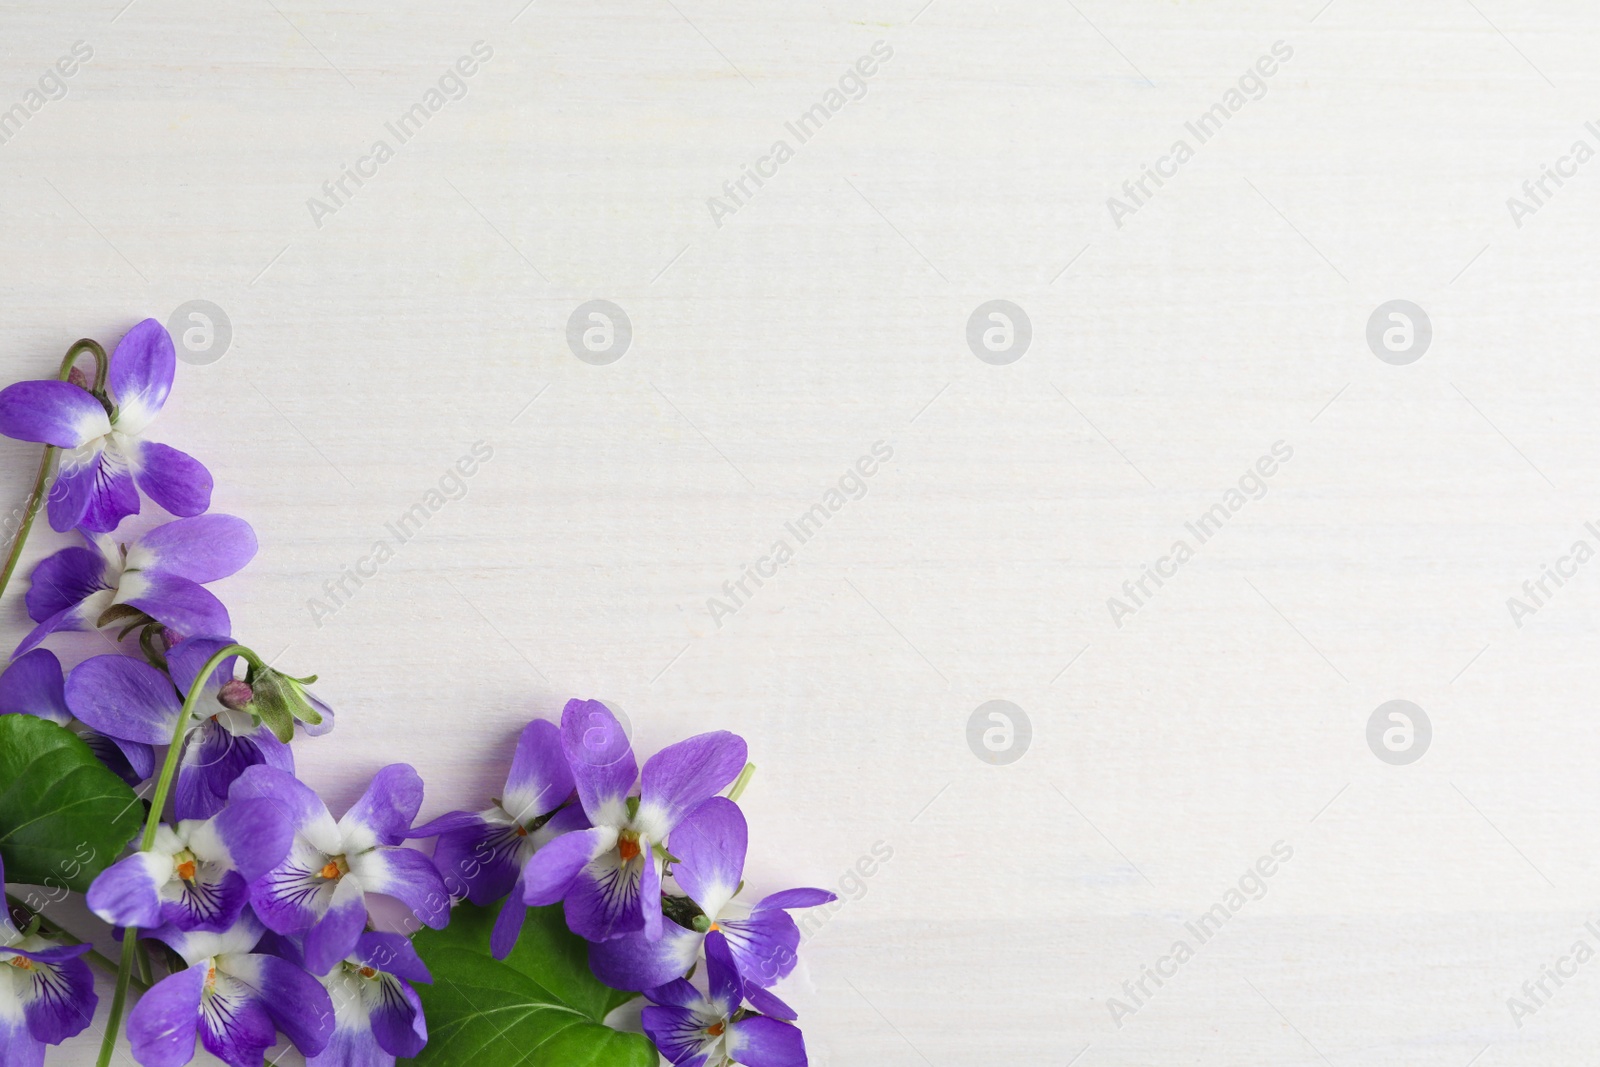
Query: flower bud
{"points": [[282, 701], [236, 695]]}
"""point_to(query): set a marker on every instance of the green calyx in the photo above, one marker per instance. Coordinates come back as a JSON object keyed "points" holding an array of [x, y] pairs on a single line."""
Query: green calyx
{"points": [[279, 700]]}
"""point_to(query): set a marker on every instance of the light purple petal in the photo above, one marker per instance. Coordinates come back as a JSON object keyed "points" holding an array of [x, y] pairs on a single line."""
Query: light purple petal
{"points": [[295, 800], [256, 834], [185, 606], [389, 806], [764, 946], [601, 760], [65, 620], [334, 936], [393, 954], [63, 579], [540, 778], [397, 1020], [797, 898], [320, 728], [604, 899], [214, 758], [175, 480], [211, 903], [142, 368], [711, 843], [235, 1027], [552, 870], [112, 496], [409, 877], [297, 1002], [189, 655], [508, 924], [679, 1032], [204, 548], [163, 1024], [124, 697], [722, 977], [767, 1003], [52, 413], [74, 484], [18, 1048], [59, 997], [351, 1047], [127, 893], [681, 777], [639, 963], [758, 1041], [32, 685], [677, 994]]}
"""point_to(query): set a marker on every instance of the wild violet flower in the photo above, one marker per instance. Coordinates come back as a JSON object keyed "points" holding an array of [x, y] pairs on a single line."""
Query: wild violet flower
{"points": [[105, 455], [129, 699], [46, 993], [234, 999], [377, 1015], [609, 876], [319, 889], [482, 854], [713, 1029], [33, 685], [161, 574], [198, 874], [710, 846]]}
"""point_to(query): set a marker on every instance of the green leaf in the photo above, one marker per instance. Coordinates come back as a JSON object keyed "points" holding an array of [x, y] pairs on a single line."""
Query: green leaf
{"points": [[539, 1007], [64, 817]]}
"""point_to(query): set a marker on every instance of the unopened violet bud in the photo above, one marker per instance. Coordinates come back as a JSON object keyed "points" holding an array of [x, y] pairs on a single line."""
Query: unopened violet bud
{"points": [[281, 701], [77, 377], [236, 695]]}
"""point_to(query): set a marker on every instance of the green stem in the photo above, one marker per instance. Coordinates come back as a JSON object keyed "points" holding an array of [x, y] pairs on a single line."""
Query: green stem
{"points": [[158, 804], [36, 498], [66, 937]]}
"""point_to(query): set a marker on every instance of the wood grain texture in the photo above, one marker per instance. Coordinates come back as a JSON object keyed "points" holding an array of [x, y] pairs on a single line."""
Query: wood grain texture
{"points": [[776, 339]]}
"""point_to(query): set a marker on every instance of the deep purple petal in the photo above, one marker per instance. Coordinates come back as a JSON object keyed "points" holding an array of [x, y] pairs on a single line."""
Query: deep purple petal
{"points": [[762, 1042], [65, 620], [722, 977], [59, 997], [127, 893], [767, 1003], [679, 1032], [334, 936], [185, 606], [18, 1048], [603, 902], [254, 833], [540, 778], [204, 548], [112, 495], [553, 869], [297, 1002], [409, 877], [189, 655], [508, 923], [601, 759], [163, 1023], [681, 777], [476, 859], [639, 963], [397, 1020], [32, 685], [677, 993], [52, 413], [142, 368], [62, 580], [388, 808], [711, 843], [764, 946], [132, 761], [797, 898], [393, 954], [175, 480], [74, 483], [235, 1027], [124, 697], [214, 758]]}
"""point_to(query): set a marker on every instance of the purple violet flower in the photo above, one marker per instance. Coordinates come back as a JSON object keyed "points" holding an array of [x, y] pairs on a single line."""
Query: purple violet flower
{"points": [[610, 876], [197, 875], [233, 998], [127, 698], [46, 993], [33, 685], [713, 1029], [104, 455], [763, 942], [377, 1015], [482, 855], [162, 574], [320, 888]]}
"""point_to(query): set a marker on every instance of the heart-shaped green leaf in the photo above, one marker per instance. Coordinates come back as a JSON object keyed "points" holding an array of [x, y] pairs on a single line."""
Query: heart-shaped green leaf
{"points": [[539, 1007], [64, 817]]}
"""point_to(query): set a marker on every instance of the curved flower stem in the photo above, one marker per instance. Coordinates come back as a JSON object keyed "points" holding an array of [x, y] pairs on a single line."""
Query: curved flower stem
{"points": [[66, 937], [158, 804], [36, 498]]}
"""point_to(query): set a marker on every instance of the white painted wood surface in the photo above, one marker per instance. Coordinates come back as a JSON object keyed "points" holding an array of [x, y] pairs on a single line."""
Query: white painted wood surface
{"points": [[429, 311]]}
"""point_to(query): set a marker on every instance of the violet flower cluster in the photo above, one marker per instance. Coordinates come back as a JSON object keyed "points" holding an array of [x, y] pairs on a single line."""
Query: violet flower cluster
{"points": [[258, 893]]}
